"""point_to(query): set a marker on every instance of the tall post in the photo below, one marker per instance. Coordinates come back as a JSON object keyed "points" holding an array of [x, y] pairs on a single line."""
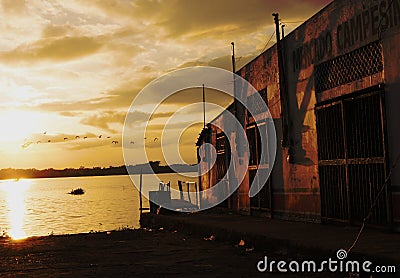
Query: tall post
{"points": [[204, 108], [238, 90], [238, 107], [140, 191], [233, 58], [282, 85]]}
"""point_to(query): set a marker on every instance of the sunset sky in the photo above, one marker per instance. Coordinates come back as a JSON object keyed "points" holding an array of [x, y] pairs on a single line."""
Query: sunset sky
{"points": [[70, 69]]}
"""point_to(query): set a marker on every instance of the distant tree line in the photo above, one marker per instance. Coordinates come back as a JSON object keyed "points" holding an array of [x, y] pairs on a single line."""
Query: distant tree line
{"points": [[146, 168]]}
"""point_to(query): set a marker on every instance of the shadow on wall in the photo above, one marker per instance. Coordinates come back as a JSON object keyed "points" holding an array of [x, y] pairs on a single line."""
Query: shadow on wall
{"points": [[297, 112]]}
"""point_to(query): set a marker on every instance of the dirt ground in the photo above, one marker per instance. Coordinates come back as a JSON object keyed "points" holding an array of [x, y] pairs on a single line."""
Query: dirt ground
{"points": [[131, 253]]}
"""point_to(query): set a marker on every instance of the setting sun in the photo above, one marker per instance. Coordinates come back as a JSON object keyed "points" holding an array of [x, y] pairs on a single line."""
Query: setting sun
{"points": [[17, 126], [72, 69]]}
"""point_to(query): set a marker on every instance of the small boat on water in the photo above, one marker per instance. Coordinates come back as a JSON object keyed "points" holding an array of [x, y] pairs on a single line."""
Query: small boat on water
{"points": [[77, 191]]}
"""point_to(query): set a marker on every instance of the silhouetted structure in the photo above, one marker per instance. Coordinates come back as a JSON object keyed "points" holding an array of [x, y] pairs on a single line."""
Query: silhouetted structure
{"points": [[336, 122]]}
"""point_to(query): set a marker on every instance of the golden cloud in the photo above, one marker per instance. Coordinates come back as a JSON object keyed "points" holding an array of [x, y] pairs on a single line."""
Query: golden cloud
{"points": [[13, 6], [188, 17], [104, 119], [58, 49]]}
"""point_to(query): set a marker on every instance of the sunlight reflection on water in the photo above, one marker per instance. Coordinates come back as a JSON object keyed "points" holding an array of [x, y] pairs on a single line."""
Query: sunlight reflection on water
{"points": [[15, 198], [40, 207]]}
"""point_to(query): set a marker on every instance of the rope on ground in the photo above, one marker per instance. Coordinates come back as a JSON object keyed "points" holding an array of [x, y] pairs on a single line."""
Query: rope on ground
{"points": [[371, 209]]}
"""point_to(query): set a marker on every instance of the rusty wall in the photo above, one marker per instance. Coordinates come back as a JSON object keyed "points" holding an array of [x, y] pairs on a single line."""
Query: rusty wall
{"points": [[340, 28], [391, 40], [336, 44], [262, 74]]}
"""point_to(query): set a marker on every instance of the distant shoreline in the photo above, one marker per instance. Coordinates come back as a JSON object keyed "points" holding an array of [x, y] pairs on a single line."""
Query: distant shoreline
{"points": [[152, 167]]}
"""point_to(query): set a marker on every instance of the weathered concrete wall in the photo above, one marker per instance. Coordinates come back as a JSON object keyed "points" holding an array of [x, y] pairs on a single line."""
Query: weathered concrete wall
{"points": [[341, 27], [391, 39]]}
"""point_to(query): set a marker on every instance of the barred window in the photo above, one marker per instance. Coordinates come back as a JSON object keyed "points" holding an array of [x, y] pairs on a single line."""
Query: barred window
{"points": [[355, 65], [221, 143], [254, 103]]}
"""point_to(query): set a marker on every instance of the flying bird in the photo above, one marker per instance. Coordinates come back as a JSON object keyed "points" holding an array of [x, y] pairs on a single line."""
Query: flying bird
{"points": [[48, 141], [155, 139], [77, 137], [65, 138], [132, 142], [27, 144], [45, 132], [100, 136], [85, 137], [114, 142], [37, 142]]}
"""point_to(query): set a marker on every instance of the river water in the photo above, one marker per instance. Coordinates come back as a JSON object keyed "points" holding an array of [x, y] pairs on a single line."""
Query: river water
{"points": [[37, 207]]}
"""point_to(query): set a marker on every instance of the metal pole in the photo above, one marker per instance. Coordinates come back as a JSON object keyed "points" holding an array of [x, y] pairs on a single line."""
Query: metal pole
{"points": [[232, 182], [204, 108], [140, 191], [233, 58], [282, 86]]}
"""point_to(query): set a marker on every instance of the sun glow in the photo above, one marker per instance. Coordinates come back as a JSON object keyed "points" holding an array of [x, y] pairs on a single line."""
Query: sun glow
{"points": [[15, 196], [17, 125]]}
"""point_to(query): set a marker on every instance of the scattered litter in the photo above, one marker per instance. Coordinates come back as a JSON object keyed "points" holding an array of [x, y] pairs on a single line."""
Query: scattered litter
{"points": [[241, 243], [244, 247], [108, 233], [184, 239], [211, 238], [175, 231], [161, 229]]}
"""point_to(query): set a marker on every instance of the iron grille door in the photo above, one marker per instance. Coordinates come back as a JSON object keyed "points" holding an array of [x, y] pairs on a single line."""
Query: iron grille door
{"points": [[352, 158]]}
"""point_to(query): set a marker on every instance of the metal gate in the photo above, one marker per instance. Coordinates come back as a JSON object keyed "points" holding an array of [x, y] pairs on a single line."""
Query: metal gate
{"points": [[352, 158]]}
